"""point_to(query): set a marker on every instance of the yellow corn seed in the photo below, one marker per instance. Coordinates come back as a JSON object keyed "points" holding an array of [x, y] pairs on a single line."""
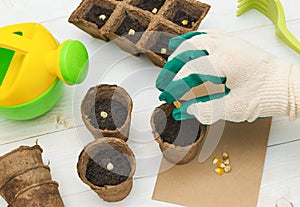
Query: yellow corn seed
{"points": [[102, 17], [154, 11], [227, 162], [177, 104], [163, 51], [219, 171], [103, 114], [216, 161], [131, 32], [225, 156], [227, 169], [222, 165], [110, 166], [185, 22]]}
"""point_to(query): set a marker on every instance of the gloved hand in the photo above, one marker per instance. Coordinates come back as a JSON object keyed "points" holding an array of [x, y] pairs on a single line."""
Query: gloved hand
{"points": [[257, 84]]}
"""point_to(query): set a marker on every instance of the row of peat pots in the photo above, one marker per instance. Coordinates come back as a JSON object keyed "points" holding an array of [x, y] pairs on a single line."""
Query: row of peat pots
{"points": [[106, 164]]}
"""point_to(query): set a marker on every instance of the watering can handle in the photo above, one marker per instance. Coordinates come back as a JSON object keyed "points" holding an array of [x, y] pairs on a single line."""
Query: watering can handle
{"points": [[14, 42]]}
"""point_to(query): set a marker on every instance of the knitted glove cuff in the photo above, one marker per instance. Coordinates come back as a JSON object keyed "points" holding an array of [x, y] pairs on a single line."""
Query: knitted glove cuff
{"points": [[274, 93], [294, 93]]}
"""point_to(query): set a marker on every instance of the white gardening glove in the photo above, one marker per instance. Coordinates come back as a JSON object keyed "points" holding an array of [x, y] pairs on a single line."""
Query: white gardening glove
{"points": [[258, 83]]}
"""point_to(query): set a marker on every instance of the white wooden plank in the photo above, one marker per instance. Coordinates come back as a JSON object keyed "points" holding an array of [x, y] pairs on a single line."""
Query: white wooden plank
{"points": [[283, 130], [19, 11], [223, 16], [281, 176], [264, 37], [139, 196], [59, 118]]}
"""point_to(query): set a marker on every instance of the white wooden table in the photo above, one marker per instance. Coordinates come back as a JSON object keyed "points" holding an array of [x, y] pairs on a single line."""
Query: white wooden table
{"points": [[62, 136]]}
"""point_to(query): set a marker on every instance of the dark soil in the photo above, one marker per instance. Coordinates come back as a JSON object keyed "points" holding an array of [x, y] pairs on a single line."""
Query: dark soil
{"points": [[162, 42], [98, 174], [150, 4], [117, 114], [179, 133], [130, 23], [181, 15], [95, 12]]}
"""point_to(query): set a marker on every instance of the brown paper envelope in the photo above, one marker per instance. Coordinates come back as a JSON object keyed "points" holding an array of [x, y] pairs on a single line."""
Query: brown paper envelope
{"points": [[196, 184]]}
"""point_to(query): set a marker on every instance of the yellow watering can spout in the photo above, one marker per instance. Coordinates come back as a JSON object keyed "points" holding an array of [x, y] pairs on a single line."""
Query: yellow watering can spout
{"points": [[32, 61]]}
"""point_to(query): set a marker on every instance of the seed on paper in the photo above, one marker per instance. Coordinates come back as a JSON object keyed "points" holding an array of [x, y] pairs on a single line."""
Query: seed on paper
{"points": [[227, 162], [225, 156], [102, 17], [216, 161], [222, 165], [110, 166], [131, 32], [227, 169], [103, 114], [219, 171], [185, 22]]}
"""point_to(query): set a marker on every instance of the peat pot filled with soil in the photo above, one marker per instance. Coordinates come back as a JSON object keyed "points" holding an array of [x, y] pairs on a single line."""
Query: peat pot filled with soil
{"points": [[107, 165], [106, 111], [25, 181], [178, 140]]}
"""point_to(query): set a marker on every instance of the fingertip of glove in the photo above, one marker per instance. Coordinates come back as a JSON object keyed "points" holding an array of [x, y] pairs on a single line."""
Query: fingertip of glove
{"points": [[167, 97]]}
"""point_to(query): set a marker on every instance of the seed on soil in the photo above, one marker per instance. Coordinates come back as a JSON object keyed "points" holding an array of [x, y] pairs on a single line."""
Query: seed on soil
{"points": [[185, 22], [154, 11], [163, 51], [110, 166], [102, 17], [103, 114], [131, 32]]}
